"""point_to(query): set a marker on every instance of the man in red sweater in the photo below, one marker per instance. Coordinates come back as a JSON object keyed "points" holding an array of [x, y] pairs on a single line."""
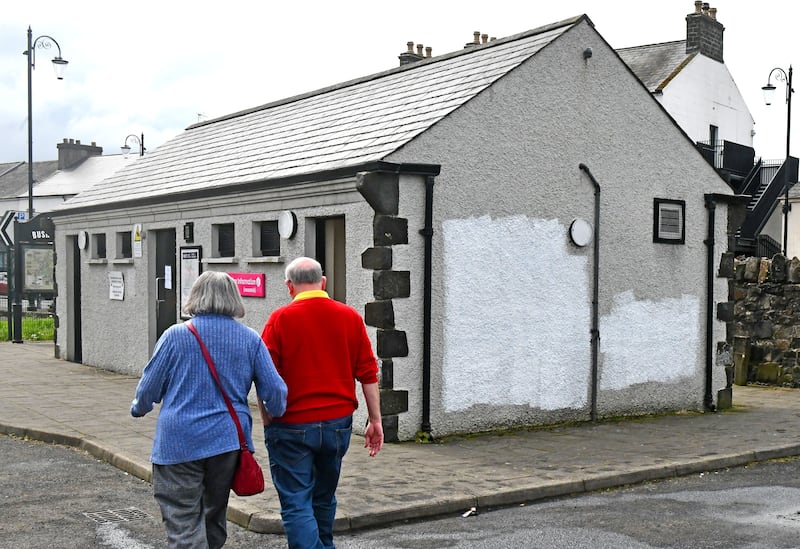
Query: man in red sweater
{"points": [[319, 347]]}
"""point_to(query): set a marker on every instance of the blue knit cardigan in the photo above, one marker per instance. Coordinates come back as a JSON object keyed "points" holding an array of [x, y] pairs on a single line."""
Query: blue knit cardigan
{"points": [[194, 422]]}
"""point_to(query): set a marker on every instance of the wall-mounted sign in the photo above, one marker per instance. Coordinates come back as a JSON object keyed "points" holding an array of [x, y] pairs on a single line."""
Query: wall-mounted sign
{"points": [[116, 286], [137, 240], [190, 270], [250, 284]]}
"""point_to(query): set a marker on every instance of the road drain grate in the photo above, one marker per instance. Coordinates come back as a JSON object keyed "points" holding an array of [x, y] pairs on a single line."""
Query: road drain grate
{"points": [[117, 515]]}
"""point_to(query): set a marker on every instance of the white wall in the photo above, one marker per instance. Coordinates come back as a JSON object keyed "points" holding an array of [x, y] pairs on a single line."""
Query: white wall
{"points": [[704, 93]]}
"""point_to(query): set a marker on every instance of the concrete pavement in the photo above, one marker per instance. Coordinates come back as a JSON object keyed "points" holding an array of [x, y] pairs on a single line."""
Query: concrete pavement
{"points": [[52, 400]]}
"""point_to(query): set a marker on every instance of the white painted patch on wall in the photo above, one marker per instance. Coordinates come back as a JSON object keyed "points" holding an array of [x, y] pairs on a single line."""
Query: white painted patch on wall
{"points": [[667, 349], [517, 312]]}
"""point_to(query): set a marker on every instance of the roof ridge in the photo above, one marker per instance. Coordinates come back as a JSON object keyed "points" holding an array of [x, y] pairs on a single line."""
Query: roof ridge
{"points": [[12, 168], [669, 43], [394, 70]]}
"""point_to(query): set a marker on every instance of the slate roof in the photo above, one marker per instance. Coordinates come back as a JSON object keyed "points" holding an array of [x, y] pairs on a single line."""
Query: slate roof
{"points": [[87, 173], [349, 124], [14, 177], [656, 64]]}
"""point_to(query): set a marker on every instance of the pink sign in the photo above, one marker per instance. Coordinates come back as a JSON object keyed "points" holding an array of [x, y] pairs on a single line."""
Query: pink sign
{"points": [[250, 284]]}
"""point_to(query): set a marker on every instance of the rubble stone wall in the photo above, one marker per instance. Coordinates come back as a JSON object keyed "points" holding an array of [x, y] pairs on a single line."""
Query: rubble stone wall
{"points": [[764, 323]]}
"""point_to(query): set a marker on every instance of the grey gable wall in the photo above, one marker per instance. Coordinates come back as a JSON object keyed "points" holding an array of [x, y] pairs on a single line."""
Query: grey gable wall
{"points": [[510, 158]]}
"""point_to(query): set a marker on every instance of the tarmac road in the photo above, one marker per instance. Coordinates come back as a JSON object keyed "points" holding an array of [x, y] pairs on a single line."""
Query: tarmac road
{"points": [[57, 497]]}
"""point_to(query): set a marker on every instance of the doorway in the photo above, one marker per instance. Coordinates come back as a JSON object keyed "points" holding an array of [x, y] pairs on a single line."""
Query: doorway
{"points": [[329, 250], [163, 279], [74, 332]]}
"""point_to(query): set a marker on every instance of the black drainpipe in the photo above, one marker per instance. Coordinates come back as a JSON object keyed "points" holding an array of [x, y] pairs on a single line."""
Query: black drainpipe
{"points": [[711, 206], [427, 232], [595, 290]]}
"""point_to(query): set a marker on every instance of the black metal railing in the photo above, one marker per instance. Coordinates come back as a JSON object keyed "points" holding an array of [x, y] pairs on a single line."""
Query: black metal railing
{"points": [[767, 197], [766, 246], [732, 159]]}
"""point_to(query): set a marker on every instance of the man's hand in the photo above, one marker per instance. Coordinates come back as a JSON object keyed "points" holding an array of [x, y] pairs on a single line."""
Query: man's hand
{"points": [[373, 437], [266, 417]]}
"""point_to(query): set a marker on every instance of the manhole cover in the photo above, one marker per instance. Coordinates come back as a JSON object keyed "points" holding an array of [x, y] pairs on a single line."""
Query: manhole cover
{"points": [[117, 515]]}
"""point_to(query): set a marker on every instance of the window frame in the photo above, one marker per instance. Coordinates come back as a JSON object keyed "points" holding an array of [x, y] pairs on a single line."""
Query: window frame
{"points": [[661, 205]]}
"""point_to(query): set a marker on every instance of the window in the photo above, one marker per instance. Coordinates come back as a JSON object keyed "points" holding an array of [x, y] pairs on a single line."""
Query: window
{"points": [[124, 248], [713, 134], [268, 240], [669, 226], [99, 246], [224, 242]]}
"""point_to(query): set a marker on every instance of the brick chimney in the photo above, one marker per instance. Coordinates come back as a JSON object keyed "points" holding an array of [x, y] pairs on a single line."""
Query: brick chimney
{"points": [[71, 152], [704, 32]]}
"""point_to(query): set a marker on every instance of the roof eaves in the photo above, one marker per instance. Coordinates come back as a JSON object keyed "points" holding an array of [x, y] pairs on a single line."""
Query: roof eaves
{"points": [[323, 175], [674, 73]]}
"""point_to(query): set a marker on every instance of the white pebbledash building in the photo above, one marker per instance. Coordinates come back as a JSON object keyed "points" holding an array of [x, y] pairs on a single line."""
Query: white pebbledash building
{"points": [[530, 236]]}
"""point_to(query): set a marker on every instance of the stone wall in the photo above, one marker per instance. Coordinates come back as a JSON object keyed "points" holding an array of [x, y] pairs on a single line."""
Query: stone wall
{"points": [[764, 327]]}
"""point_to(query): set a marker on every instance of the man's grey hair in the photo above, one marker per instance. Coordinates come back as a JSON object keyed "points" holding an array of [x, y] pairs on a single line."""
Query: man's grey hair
{"points": [[304, 270], [216, 293]]}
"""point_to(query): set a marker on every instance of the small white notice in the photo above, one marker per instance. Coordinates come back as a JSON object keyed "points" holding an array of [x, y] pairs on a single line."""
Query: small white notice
{"points": [[167, 277], [116, 286], [137, 240]]}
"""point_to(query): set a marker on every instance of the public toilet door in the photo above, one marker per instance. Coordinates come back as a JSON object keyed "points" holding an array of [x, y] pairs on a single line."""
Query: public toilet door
{"points": [[165, 288]]}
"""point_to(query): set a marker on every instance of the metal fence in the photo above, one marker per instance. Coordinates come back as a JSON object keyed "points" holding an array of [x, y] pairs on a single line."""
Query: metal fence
{"points": [[36, 310]]}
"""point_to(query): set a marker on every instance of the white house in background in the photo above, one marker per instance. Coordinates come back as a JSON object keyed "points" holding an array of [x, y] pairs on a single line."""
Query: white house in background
{"points": [[691, 81], [525, 229], [78, 167]]}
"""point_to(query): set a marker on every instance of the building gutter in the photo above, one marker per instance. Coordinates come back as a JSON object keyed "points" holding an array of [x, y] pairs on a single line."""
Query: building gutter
{"points": [[250, 186], [711, 201], [595, 330], [427, 233]]}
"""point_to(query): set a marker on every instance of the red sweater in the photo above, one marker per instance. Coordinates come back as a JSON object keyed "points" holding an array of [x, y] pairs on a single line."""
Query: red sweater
{"points": [[319, 347]]}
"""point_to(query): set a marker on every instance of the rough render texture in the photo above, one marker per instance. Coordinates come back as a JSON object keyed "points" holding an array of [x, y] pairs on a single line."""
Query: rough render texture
{"points": [[510, 161]]}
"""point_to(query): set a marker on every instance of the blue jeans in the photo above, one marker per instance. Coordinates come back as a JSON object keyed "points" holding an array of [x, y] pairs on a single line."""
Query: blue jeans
{"points": [[305, 460]]}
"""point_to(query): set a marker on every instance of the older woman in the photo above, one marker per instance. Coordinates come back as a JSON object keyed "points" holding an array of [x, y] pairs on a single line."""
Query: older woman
{"points": [[196, 444]]}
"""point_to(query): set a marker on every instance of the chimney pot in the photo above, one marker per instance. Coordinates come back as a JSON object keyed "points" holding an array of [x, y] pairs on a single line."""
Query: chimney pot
{"points": [[698, 6], [476, 37], [410, 47], [704, 33], [419, 49], [428, 51], [484, 38]]}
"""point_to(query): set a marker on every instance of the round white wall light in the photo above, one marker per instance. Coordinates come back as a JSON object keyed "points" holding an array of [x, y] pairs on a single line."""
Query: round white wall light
{"points": [[580, 232]]}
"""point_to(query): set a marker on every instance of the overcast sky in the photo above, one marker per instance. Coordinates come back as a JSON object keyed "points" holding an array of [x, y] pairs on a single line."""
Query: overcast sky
{"points": [[157, 67]]}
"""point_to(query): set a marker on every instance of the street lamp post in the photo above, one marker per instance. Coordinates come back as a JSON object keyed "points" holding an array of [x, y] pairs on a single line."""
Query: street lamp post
{"points": [[769, 91], [59, 64], [139, 140]]}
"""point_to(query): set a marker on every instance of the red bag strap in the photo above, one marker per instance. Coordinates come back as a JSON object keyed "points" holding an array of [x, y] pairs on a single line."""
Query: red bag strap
{"points": [[210, 362]]}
